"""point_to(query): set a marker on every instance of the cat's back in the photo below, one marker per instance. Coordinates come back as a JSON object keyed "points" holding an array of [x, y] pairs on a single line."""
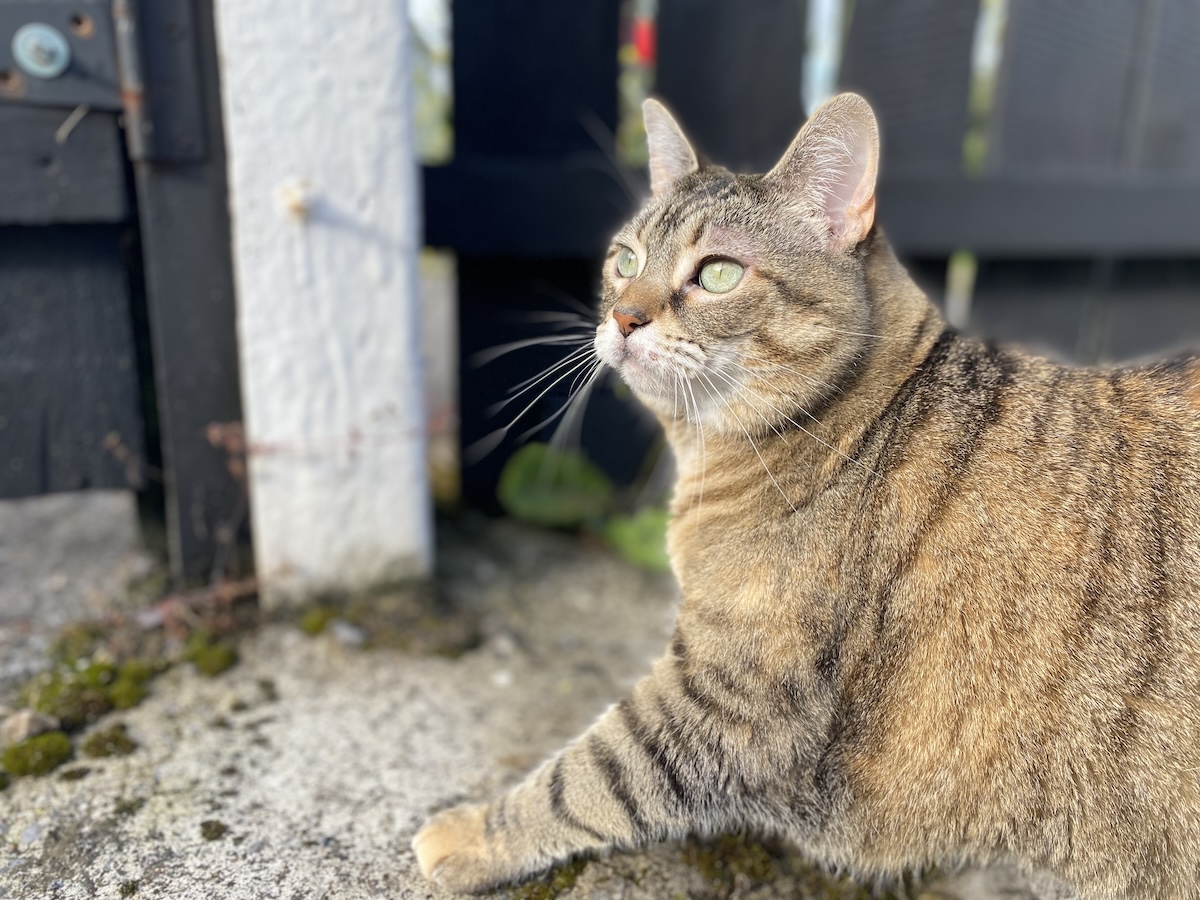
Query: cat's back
{"points": [[1033, 579]]}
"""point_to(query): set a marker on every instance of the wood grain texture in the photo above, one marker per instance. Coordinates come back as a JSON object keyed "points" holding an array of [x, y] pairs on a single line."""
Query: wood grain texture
{"points": [[68, 373], [79, 179]]}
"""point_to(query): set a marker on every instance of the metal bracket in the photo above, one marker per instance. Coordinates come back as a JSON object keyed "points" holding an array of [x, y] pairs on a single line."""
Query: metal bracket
{"points": [[90, 78], [123, 55]]}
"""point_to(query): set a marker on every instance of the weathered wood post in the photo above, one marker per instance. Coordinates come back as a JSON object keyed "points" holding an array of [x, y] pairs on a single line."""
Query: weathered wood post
{"points": [[324, 203]]}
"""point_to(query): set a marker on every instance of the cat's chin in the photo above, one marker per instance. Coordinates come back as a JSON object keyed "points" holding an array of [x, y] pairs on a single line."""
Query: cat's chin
{"points": [[640, 367]]}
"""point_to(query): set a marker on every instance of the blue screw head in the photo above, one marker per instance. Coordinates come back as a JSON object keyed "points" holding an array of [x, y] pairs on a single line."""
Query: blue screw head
{"points": [[41, 50]]}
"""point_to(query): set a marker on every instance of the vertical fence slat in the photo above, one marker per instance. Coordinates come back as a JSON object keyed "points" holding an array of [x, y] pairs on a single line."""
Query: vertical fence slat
{"points": [[733, 76]]}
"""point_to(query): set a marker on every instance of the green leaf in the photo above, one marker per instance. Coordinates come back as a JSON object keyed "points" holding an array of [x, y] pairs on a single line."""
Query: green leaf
{"points": [[641, 539], [553, 487]]}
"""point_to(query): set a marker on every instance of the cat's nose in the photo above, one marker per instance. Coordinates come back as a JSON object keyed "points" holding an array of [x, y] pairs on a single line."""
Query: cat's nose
{"points": [[627, 321]]}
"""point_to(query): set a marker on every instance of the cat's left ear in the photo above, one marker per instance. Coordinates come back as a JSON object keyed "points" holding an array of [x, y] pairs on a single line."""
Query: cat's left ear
{"points": [[671, 156], [831, 169]]}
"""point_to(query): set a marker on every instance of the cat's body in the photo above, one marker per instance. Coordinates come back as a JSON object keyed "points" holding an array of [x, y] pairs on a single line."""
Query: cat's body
{"points": [[940, 601]]}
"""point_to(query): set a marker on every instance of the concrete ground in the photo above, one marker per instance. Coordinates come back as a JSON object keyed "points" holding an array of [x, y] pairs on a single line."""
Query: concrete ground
{"points": [[304, 771]]}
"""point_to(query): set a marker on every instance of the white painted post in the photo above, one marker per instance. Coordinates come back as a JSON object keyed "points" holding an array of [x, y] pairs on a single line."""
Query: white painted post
{"points": [[324, 202]]}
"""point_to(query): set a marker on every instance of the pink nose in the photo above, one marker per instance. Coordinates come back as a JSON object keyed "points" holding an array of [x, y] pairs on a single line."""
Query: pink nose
{"points": [[627, 321]]}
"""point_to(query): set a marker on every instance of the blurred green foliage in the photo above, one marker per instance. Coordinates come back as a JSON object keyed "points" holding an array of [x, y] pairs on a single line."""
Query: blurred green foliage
{"points": [[562, 489]]}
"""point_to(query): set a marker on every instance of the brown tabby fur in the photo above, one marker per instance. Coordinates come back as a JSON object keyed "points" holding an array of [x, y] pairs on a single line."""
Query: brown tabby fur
{"points": [[940, 600]]}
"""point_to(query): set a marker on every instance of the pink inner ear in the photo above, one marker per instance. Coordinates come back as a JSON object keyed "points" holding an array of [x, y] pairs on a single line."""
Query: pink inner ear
{"points": [[850, 161], [671, 156], [830, 169]]}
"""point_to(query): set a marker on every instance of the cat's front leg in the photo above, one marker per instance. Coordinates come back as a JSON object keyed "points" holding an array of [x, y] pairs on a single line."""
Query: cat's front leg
{"points": [[630, 779]]}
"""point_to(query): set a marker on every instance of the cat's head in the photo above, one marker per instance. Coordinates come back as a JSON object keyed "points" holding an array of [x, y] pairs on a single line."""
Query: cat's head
{"points": [[739, 300]]}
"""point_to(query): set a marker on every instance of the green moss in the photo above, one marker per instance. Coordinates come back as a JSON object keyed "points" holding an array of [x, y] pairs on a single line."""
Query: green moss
{"points": [[96, 674], [80, 693], [126, 693], [556, 881], [733, 863], [212, 830], [129, 888], [125, 808], [722, 860], [66, 695], [314, 621], [402, 616], [114, 741], [77, 773], [269, 690], [77, 641], [210, 655], [37, 755], [3, 780], [140, 670]]}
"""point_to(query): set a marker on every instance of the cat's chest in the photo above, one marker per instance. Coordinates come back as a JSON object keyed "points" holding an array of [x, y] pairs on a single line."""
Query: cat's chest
{"points": [[750, 560]]}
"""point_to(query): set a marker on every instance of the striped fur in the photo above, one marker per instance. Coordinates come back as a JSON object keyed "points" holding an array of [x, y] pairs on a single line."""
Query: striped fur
{"points": [[941, 600]]}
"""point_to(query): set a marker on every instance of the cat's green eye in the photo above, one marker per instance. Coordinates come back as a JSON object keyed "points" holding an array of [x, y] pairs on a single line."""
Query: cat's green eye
{"points": [[720, 276], [627, 264]]}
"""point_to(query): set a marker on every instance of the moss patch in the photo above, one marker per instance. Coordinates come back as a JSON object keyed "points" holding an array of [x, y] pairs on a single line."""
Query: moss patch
{"points": [[114, 741], [210, 655], [313, 621], [213, 830], [77, 641], [37, 755], [3, 780], [408, 617], [725, 860], [556, 881], [75, 698], [79, 693], [76, 773], [129, 888], [128, 807], [735, 863]]}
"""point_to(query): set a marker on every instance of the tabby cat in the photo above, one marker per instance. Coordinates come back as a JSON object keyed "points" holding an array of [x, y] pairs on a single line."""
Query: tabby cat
{"points": [[940, 600]]}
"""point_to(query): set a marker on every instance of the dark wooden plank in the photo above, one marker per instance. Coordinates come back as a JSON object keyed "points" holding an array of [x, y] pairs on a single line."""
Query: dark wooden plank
{"points": [[534, 78], [174, 105], [534, 179], [189, 285], [1170, 140], [1040, 219], [1155, 307], [76, 180], [1064, 91], [732, 78], [912, 60], [1043, 306], [531, 208], [70, 414]]}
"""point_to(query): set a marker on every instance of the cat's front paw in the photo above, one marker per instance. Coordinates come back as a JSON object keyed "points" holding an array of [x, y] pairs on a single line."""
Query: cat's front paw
{"points": [[452, 850]]}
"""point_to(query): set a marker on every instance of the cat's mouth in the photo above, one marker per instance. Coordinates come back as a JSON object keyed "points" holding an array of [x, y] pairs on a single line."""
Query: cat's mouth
{"points": [[638, 360], [668, 376]]}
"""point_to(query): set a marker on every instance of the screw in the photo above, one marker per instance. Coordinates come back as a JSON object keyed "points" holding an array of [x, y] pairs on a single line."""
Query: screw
{"points": [[41, 50]]}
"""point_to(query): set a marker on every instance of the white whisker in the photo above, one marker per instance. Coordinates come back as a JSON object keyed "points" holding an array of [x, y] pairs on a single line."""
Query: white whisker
{"points": [[574, 415], [793, 422], [591, 373], [483, 357], [492, 440], [529, 383], [709, 386]]}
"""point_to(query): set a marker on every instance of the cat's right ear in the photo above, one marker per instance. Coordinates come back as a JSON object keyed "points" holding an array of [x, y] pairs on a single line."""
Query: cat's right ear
{"points": [[830, 170], [671, 156]]}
